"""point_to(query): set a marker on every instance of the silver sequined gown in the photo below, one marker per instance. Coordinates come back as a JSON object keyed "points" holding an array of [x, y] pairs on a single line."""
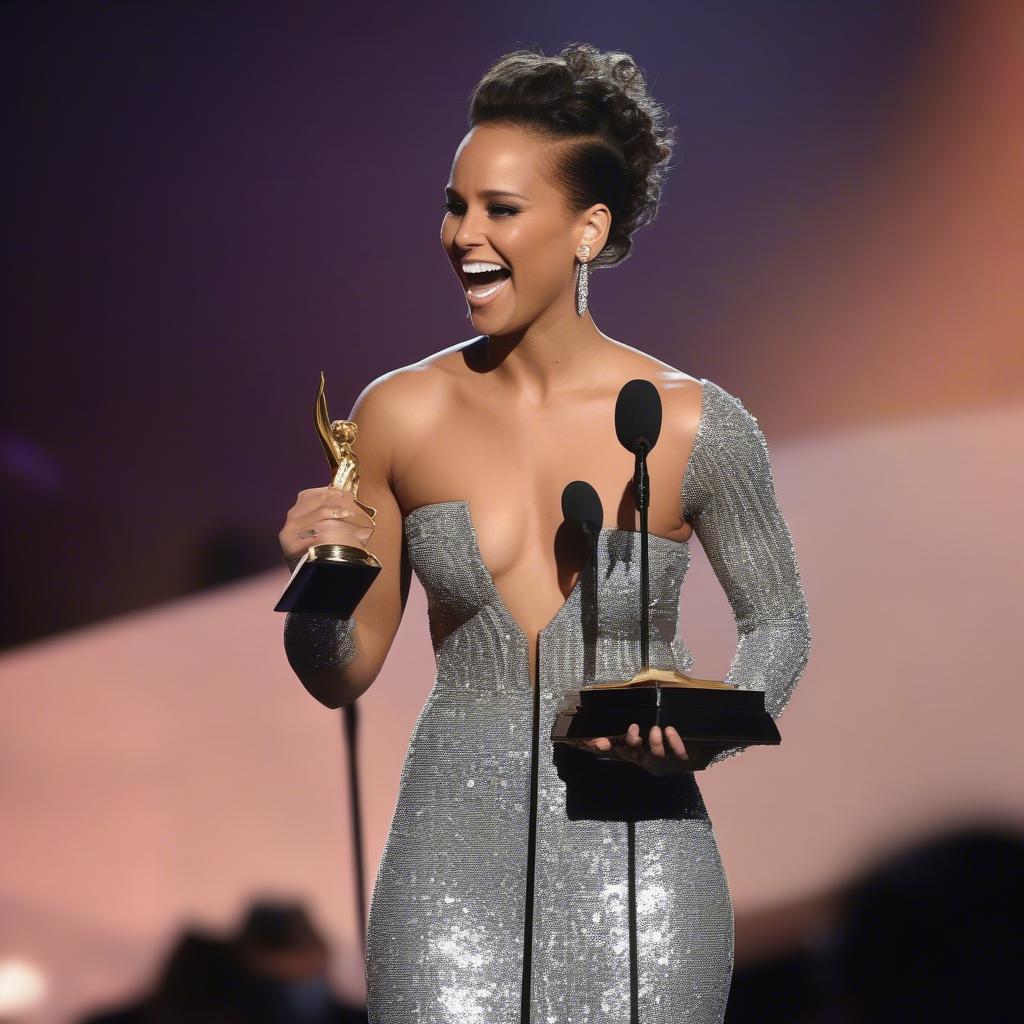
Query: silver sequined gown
{"points": [[466, 926]]}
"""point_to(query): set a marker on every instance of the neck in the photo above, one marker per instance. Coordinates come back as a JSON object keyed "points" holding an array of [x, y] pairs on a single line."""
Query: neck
{"points": [[546, 357]]}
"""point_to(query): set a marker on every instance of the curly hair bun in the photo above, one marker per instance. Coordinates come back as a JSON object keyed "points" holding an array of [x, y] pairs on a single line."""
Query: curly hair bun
{"points": [[619, 147]]}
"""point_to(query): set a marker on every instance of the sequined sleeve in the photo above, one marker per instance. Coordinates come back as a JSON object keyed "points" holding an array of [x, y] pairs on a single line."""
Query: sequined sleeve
{"points": [[729, 498], [318, 647]]}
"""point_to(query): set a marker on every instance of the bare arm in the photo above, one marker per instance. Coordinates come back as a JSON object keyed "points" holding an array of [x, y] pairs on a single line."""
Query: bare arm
{"points": [[337, 660], [729, 497]]}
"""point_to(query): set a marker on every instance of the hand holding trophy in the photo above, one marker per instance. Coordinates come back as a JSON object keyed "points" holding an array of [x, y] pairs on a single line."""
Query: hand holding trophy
{"points": [[331, 575], [323, 515]]}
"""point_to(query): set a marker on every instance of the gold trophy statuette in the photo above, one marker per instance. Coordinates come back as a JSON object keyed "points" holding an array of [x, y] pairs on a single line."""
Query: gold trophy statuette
{"points": [[332, 579]]}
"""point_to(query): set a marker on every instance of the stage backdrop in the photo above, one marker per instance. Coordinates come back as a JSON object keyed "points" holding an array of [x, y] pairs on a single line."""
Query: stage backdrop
{"points": [[208, 212]]}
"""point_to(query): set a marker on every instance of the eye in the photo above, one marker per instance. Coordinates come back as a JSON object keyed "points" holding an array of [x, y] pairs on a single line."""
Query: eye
{"points": [[451, 205]]}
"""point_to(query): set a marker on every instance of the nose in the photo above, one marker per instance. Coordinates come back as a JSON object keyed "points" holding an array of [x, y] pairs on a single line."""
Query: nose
{"points": [[469, 232]]}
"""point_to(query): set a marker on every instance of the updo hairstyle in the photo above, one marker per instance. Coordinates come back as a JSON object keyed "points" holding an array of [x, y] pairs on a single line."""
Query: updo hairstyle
{"points": [[616, 147]]}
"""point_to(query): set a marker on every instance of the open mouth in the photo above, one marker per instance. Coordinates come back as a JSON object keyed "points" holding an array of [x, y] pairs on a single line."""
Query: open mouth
{"points": [[484, 284], [485, 278]]}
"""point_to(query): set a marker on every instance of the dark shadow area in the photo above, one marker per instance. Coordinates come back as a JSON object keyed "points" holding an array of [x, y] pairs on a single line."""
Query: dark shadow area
{"points": [[273, 970], [929, 933], [614, 790], [232, 553]]}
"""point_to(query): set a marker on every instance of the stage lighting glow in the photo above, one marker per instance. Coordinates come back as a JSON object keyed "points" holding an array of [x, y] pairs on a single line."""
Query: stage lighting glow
{"points": [[22, 987]]}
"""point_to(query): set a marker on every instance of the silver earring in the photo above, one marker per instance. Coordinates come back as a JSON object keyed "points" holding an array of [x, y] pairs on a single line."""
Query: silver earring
{"points": [[582, 284]]}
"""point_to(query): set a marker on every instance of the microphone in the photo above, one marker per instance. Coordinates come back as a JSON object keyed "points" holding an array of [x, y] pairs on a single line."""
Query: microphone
{"points": [[638, 416], [638, 426], [581, 505]]}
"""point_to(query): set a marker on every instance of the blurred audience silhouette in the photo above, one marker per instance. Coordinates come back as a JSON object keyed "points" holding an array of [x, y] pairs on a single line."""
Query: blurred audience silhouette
{"points": [[272, 971], [929, 932]]}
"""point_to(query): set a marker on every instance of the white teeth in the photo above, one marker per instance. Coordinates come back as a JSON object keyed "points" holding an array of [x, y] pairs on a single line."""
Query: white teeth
{"points": [[480, 267]]}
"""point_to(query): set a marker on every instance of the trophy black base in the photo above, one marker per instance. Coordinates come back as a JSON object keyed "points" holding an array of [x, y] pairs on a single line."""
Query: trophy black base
{"points": [[330, 579]]}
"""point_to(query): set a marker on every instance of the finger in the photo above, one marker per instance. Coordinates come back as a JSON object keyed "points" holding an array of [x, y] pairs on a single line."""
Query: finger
{"points": [[633, 735], [656, 742], [300, 510], [675, 742], [341, 506], [338, 496], [337, 499], [325, 513], [328, 531], [627, 753], [343, 498], [309, 508], [601, 743]]}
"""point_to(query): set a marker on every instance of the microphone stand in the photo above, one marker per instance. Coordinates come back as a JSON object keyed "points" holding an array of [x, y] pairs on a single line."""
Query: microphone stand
{"points": [[350, 728], [643, 500], [588, 604]]}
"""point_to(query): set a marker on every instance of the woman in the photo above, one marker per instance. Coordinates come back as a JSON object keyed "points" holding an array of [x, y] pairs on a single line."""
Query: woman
{"points": [[523, 882]]}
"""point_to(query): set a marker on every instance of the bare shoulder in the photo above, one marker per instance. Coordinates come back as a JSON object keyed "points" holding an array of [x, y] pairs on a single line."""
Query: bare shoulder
{"points": [[404, 404], [681, 393], [419, 392], [393, 394]]}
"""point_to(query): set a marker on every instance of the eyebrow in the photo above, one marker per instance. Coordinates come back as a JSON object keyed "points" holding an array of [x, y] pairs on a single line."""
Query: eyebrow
{"points": [[489, 193]]}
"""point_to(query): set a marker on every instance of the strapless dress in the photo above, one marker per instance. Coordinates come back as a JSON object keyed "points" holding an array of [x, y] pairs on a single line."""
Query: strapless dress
{"points": [[524, 882]]}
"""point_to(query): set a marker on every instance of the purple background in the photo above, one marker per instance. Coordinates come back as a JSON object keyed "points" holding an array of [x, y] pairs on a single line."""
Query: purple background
{"points": [[208, 203]]}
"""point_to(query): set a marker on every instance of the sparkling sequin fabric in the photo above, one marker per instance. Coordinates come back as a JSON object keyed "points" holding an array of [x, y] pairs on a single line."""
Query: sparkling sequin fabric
{"points": [[504, 892], [317, 643]]}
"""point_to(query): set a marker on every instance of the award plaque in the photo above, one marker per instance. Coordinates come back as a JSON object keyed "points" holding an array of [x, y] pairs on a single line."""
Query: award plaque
{"points": [[333, 578], [709, 715]]}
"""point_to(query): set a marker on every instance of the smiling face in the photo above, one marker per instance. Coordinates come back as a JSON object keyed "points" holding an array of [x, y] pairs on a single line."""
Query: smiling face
{"points": [[502, 208]]}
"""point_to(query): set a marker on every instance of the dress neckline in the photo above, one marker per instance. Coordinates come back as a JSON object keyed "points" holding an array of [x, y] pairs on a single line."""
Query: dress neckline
{"points": [[499, 601]]}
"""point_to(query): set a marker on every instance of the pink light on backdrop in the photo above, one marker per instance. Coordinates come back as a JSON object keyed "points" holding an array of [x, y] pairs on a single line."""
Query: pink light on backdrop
{"points": [[169, 763]]}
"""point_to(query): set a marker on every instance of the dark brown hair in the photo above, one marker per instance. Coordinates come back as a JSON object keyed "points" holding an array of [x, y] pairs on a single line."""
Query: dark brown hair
{"points": [[617, 146]]}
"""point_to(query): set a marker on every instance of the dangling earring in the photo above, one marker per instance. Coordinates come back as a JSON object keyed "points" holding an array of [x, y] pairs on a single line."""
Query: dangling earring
{"points": [[583, 252]]}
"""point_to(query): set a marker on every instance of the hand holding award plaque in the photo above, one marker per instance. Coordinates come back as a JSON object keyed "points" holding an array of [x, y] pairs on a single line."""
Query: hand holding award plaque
{"points": [[332, 578], [709, 715]]}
